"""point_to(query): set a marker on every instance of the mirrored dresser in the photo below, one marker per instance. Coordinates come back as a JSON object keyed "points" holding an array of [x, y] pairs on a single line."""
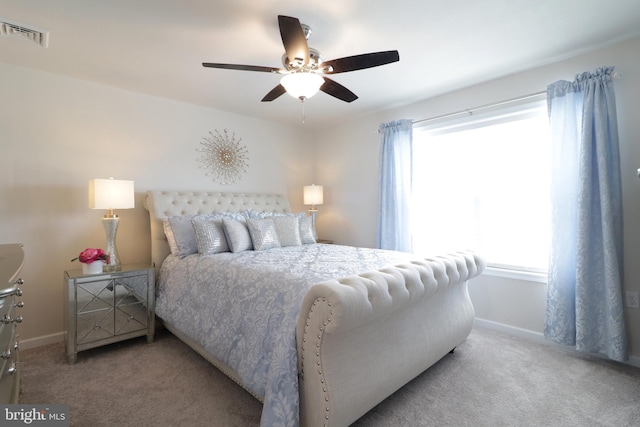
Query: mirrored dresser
{"points": [[11, 262], [104, 308]]}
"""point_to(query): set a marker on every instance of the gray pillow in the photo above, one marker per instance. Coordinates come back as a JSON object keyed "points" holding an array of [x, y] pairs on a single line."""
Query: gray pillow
{"points": [[288, 230], [210, 237], [263, 234], [237, 235], [180, 234]]}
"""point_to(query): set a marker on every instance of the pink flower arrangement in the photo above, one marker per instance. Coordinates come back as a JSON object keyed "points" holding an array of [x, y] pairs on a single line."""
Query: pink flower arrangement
{"points": [[90, 255]]}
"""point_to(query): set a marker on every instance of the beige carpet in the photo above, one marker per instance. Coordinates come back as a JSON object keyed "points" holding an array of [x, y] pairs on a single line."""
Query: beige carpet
{"points": [[490, 380]]}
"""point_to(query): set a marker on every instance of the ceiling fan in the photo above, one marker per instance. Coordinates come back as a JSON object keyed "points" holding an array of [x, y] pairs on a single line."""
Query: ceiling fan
{"points": [[304, 70]]}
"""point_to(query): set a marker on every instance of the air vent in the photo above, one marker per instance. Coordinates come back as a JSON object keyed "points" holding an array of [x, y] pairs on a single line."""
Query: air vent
{"points": [[31, 33]]}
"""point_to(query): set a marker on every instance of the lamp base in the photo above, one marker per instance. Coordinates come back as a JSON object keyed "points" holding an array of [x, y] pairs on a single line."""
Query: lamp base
{"points": [[110, 225], [313, 212]]}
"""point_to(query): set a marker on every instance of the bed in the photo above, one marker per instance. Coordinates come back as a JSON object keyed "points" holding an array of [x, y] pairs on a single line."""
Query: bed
{"points": [[319, 333]]}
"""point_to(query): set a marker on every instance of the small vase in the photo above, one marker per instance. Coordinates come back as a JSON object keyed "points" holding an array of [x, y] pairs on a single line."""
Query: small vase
{"points": [[94, 267]]}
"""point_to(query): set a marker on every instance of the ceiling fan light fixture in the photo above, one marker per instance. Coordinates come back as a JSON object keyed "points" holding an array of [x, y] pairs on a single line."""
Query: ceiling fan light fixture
{"points": [[304, 73], [302, 85]]}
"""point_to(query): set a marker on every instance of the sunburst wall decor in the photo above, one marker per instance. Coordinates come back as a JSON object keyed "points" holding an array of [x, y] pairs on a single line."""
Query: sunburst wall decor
{"points": [[224, 158]]}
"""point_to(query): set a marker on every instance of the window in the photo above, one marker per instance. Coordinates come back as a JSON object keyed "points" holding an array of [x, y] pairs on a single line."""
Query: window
{"points": [[482, 183]]}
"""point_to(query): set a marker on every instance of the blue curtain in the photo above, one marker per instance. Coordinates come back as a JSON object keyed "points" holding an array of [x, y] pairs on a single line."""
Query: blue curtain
{"points": [[584, 296], [396, 151]]}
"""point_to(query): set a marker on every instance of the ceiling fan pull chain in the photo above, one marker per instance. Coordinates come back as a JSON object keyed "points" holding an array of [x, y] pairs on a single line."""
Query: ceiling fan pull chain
{"points": [[302, 98]]}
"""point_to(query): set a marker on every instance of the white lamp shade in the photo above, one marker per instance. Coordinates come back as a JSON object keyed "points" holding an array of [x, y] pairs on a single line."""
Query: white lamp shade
{"points": [[313, 195], [302, 85], [111, 194]]}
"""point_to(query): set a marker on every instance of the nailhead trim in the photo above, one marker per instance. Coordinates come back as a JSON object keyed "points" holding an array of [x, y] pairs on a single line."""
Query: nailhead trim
{"points": [[317, 340]]}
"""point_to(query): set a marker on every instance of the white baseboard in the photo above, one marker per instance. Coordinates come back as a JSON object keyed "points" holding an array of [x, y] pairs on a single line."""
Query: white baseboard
{"points": [[537, 337], [40, 341], [511, 330]]}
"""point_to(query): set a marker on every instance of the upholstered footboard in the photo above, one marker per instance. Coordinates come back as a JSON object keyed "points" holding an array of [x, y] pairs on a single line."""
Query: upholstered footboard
{"points": [[362, 337]]}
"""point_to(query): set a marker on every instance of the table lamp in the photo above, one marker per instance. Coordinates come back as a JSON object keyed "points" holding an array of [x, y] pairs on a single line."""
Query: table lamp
{"points": [[313, 196], [111, 194]]}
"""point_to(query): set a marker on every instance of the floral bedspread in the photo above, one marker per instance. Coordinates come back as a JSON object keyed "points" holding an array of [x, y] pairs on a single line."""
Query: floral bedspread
{"points": [[242, 308]]}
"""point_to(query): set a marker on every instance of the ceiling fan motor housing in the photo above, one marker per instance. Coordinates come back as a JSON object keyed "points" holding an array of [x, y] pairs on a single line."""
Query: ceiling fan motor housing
{"points": [[315, 60]]}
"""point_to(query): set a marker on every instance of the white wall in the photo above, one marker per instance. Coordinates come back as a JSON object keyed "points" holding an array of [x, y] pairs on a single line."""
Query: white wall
{"points": [[57, 133], [347, 165]]}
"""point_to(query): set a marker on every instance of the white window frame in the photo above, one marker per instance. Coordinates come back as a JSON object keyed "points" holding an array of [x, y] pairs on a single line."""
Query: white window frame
{"points": [[478, 118]]}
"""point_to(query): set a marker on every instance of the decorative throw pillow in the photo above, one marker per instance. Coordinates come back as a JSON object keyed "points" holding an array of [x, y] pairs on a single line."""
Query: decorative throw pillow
{"points": [[180, 234], [263, 234], [168, 232], [287, 229], [210, 237], [307, 233], [237, 235], [253, 214]]}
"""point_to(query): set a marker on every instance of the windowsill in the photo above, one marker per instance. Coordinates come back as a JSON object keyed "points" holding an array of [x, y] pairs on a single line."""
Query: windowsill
{"points": [[529, 276]]}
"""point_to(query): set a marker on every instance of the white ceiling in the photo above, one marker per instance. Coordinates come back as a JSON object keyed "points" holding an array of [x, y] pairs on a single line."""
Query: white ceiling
{"points": [[157, 46]]}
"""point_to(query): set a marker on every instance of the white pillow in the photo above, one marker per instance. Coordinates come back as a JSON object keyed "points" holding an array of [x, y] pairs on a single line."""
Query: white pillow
{"points": [[210, 237], [263, 234], [168, 232]]}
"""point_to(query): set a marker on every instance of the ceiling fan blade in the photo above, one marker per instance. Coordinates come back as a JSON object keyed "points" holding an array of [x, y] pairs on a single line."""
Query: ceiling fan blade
{"points": [[360, 62], [293, 39], [242, 67], [335, 89], [275, 93]]}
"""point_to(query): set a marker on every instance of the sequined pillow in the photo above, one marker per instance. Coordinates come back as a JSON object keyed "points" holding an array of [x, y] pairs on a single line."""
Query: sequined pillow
{"points": [[287, 229], [237, 235], [210, 237], [263, 234], [307, 233]]}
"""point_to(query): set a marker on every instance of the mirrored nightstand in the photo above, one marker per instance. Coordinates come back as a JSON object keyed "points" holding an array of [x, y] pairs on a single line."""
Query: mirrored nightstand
{"points": [[105, 308]]}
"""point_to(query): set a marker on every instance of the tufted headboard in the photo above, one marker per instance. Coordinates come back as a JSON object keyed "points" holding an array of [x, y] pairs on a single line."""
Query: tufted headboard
{"points": [[162, 204]]}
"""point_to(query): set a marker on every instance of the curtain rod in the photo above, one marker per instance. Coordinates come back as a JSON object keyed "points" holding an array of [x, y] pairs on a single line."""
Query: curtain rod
{"points": [[470, 111], [616, 75]]}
